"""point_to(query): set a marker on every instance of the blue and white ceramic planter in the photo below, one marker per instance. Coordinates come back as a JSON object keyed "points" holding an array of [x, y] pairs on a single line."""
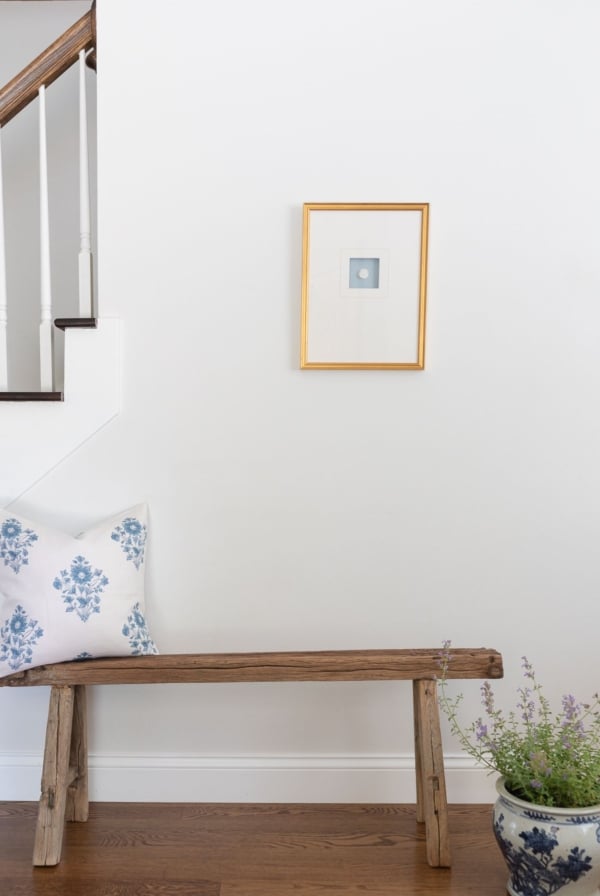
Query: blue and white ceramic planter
{"points": [[548, 850]]}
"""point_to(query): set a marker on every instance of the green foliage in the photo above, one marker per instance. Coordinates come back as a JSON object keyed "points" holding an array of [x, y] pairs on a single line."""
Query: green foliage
{"points": [[548, 758]]}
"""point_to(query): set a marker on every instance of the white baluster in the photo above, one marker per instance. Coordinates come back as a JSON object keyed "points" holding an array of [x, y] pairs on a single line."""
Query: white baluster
{"points": [[85, 235], [3, 291], [46, 365]]}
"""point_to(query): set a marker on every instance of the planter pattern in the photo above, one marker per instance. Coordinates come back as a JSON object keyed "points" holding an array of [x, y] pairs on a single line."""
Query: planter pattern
{"points": [[548, 850]]}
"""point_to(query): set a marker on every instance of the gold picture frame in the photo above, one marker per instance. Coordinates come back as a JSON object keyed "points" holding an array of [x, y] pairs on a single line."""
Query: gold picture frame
{"points": [[364, 286]]}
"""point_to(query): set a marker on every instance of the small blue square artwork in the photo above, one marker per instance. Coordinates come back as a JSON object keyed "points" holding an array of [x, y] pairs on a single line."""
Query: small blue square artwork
{"points": [[364, 273]]}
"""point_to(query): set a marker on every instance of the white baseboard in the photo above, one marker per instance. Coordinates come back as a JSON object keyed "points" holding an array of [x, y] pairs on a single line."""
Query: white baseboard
{"points": [[289, 778]]}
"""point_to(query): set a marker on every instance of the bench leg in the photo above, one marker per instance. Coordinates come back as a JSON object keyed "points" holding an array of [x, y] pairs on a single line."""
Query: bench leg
{"points": [[55, 777], [432, 806], [77, 808], [418, 754]]}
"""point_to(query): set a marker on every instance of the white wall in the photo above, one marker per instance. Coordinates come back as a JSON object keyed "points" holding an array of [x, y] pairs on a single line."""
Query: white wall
{"points": [[333, 509]]}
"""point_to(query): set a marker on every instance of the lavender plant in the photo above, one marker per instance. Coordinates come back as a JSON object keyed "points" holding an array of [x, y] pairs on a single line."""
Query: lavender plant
{"points": [[546, 757]]}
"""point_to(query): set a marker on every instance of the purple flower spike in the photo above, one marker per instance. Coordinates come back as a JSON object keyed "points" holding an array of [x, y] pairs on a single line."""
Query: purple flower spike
{"points": [[527, 668], [487, 697]]}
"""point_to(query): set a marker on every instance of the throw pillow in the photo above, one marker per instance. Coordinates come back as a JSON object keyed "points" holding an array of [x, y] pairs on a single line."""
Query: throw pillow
{"points": [[67, 598]]}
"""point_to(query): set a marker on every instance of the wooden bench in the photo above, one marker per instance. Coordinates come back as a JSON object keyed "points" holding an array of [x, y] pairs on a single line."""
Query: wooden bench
{"points": [[64, 786]]}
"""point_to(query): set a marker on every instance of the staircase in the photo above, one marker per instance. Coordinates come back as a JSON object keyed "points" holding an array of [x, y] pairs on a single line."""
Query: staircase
{"points": [[41, 427]]}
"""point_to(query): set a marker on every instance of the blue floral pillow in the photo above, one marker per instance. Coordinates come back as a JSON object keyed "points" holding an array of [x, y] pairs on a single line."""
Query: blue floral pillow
{"points": [[65, 598]]}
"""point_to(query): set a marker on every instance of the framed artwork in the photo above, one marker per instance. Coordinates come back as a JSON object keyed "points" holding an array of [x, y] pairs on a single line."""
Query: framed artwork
{"points": [[364, 285]]}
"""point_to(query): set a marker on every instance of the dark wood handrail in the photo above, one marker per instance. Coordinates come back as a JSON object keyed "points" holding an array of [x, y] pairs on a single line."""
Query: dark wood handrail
{"points": [[48, 66]]}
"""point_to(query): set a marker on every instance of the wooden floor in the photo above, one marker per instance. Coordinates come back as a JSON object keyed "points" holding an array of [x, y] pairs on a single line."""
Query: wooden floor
{"points": [[160, 849]]}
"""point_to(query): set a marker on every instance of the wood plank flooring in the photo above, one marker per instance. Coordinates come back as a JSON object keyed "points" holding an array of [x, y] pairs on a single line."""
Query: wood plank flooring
{"points": [[190, 849]]}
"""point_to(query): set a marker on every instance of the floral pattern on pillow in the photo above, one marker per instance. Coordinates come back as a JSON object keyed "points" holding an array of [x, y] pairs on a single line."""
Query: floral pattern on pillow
{"points": [[15, 542], [81, 587], [18, 636], [136, 630], [131, 535]]}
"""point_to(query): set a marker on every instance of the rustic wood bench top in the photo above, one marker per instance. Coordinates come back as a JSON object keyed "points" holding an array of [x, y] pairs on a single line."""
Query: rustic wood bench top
{"points": [[64, 795], [317, 665]]}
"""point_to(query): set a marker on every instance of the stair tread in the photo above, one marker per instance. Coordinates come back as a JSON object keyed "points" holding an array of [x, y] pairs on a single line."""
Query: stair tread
{"points": [[64, 323], [31, 396]]}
